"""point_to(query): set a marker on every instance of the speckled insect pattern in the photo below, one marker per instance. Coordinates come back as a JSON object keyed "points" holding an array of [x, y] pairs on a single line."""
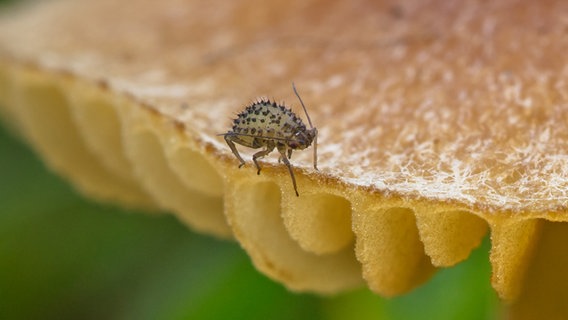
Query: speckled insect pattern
{"points": [[269, 125]]}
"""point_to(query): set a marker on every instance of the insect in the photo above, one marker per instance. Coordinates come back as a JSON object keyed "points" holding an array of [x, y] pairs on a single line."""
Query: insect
{"points": [[268, 125]]}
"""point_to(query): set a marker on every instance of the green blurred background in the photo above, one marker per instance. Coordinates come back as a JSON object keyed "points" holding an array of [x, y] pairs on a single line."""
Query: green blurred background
{"points": [[65, 257]]}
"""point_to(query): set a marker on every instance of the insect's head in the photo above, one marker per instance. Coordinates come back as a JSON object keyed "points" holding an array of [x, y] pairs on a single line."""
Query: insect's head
{"points": [[303, 139]]}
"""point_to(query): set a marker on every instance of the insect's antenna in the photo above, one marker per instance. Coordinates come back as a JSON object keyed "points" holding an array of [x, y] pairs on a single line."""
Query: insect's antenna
{"points": [[303, 106]]}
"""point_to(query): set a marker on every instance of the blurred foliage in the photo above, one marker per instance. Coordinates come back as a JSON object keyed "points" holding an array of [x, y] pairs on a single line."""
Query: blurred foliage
{"points": [[64, 257], [5, 3]]}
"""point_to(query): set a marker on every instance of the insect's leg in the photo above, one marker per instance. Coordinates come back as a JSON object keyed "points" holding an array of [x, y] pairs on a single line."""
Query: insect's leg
{"points": [[289, 156], [261, 154], [287, 163], [316, 149], [234, 149]]}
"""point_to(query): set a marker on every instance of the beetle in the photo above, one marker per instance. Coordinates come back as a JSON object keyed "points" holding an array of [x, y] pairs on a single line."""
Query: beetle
{"points": [[269, 125]]}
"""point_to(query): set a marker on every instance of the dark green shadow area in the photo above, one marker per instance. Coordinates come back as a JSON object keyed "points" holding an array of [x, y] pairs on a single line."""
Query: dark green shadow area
{"points": [[7, 4]]}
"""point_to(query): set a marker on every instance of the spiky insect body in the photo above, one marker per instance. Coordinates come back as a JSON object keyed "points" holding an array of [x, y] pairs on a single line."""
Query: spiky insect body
{"points": [[268, 125]]}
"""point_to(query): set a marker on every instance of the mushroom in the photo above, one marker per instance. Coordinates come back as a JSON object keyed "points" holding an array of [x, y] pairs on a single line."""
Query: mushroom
{"points": [[438, 123]]}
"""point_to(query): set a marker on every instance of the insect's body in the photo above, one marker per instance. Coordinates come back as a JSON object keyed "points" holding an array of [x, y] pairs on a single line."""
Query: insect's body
{"points": [[268, 125], [266, 121]]}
